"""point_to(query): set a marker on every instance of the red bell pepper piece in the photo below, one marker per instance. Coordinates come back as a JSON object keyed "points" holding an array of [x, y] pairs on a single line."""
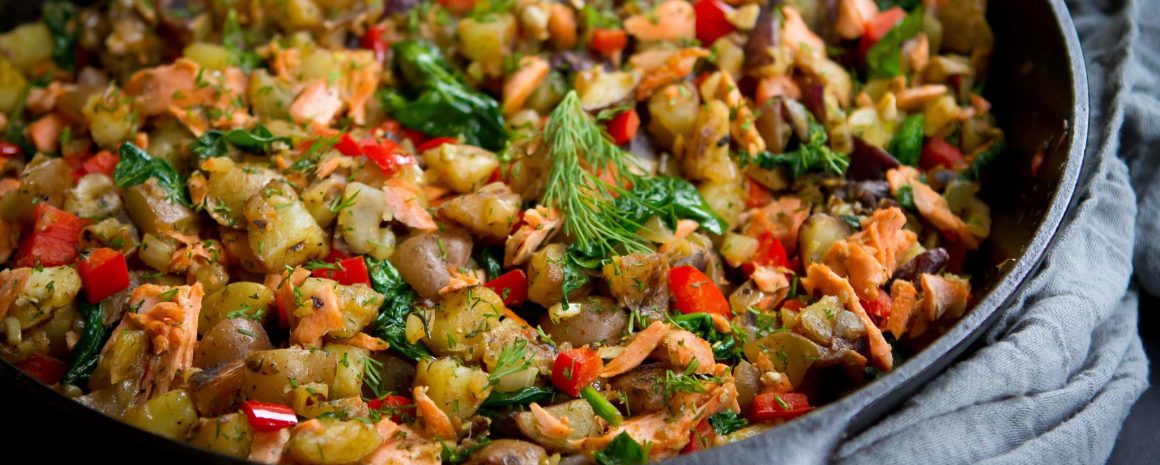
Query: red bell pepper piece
{"points": [[346, 145], [575, 369], [265, 416], [386, 154], [349, 271], [771, 406], [701, 437], [712, 20], [792, 304], [53, 240], [400, 409], [880, 307], [878, 26], [375, 40], [757, 195], [103, 162], [623, 127], [435, 143], [511, 286], [103, 273], [608, 41], [10, 150], [46, 369], [458, 6], [695, 293], [770, 252], [938, 152]]}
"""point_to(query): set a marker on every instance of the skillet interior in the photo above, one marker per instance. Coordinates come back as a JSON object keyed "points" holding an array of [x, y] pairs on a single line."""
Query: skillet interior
{"points": [[1038, 85]]}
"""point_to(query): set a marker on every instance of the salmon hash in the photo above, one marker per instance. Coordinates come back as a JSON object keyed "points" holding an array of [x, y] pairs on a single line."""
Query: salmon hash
{"points": [[520, 232]]}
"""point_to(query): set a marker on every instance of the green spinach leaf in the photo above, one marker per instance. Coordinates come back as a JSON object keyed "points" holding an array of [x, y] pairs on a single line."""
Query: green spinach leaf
{"points": [[214, 143], [136, 167], [490, 258], [907, 143], [398, 301], [726, 347], [983, 159], [435, 102], [522, 397], [671, 198], [623, 450], [60, 17], [811, 155], [884, 58], [727, 422], [88, 348]]}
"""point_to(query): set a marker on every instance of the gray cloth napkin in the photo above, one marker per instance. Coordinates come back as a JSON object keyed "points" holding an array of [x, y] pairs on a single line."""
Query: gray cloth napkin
{"points": [[1064, 364]]}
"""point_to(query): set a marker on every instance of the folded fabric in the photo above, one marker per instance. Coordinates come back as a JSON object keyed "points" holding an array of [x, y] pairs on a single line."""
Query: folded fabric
{"points": [[1063, 365]]}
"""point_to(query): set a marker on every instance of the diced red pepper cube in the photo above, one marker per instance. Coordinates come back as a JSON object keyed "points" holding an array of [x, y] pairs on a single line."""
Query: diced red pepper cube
{"points": [[694, 292], [512, 287], [400, 409], [375, 40], [701, 437], [346, 145], [103, 162], [10, 150], [575, 369], [103, 273], [623, 127], [350, 271], [265, 416], [46, 369], [386, 154], [608, 41], [938, 152], [769, 252], [880, 307], [878, 26], [53, 240], [771, 406], [435, 143], [712, 21]]}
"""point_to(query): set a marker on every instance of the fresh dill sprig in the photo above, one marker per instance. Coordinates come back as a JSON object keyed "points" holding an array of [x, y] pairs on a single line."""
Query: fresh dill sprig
{"points": [[371, 377], [512, 359], [583, 162]]}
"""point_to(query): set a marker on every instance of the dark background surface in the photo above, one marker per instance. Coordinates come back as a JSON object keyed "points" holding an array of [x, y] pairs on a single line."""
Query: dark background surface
{"points": [[50, 439]]}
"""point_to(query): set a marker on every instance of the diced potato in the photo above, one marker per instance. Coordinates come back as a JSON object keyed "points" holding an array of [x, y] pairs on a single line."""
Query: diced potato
{"points": [[548, 94], [601, 89], [348, 377], [463, 168], [95, 196], [791, 353], [726, 198], [282, 232], [216, 390], [939, 115], [293, 15], [706, 154], [817, 234], [359, 304], [238, 299], [12, 85], [229, 341], [490, 212], [229, 434], [458, 322], [457, 390], [639, 281], [45, 179], [210, 56], [272, 374], [580, 417], [546, 275], [27, 45], [730, 57], [737, 248], [331, 442], [672, 110], [152, 211], [362, 221], [230, 186], [321, 197], [170, 415], [157, 251], [112, 119], [486, 41], [123, 359], [169, 140], [270, 98], [47, 290], [817, 320]]}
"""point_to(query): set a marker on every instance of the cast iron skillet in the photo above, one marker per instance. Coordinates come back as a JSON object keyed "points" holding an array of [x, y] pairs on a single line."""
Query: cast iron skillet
{"points": [[1038, 85]]}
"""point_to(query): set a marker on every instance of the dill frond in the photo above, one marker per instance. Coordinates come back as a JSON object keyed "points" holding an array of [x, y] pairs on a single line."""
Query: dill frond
{"points": [[583, 162]]}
